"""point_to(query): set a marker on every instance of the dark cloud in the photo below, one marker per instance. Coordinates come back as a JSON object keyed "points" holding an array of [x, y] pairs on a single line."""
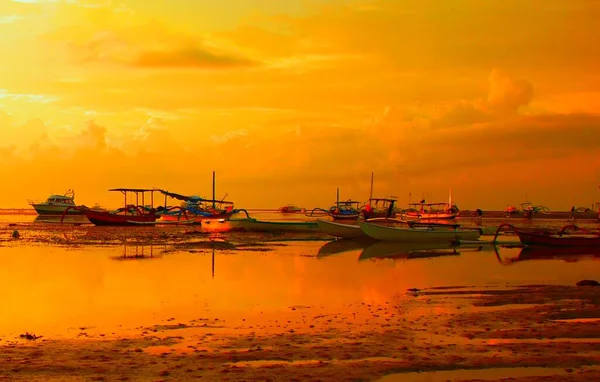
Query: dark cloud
{"points": [[188, 57]]}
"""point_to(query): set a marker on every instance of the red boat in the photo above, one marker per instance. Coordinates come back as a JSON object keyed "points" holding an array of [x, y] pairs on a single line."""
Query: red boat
{"points": [[551, 238], [130, 214], [290, 209]]}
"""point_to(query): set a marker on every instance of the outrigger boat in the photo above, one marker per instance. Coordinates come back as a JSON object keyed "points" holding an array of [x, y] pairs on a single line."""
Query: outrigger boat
{"points": [[195, 208], [543, 237], [420, 232], [422, 210], [568, 254], [130, 214], [379, 208]]}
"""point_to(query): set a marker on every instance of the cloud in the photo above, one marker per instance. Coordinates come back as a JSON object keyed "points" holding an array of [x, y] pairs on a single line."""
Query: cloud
{"points": [[149, 45], [507, 94], [188, 57]]}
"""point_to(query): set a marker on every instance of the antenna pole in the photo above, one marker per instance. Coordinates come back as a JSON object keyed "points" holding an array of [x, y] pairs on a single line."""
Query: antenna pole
{"points": [[371, 193], [214, 191]]}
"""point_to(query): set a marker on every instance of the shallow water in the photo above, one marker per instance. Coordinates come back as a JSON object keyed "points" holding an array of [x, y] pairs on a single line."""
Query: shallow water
{"points": [[57, 289]]}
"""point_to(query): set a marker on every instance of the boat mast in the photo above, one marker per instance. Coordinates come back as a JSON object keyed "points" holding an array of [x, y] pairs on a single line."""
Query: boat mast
{"points": [[214, 191], [371, 192], [337, 201]]}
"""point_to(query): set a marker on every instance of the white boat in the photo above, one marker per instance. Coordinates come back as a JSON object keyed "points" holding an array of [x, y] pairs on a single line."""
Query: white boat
{"points": [[57, 204], [424, 233], [345, 231]]}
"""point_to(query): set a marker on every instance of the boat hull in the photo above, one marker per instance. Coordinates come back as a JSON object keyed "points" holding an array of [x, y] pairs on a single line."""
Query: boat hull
{"points": [[104, 218], [409, 235], [345, 231], [345, 216], [45, 209]]}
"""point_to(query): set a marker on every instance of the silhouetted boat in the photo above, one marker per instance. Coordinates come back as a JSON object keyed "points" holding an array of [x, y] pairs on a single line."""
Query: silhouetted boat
{"points": [[568, 254], [554, 238]]}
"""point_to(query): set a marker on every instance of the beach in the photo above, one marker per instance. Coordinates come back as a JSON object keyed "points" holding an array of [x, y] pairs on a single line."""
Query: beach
{"points": [[170, 303]]}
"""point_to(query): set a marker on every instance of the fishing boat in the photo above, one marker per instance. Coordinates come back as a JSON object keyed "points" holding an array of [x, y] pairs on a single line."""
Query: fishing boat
{"points": [[129, 214], [347, 210], [379, 208], [419, 233], [544, 237], [408, 250], [423, 210], [197, 208], [567, 254], [290, 209], [57, 204]]}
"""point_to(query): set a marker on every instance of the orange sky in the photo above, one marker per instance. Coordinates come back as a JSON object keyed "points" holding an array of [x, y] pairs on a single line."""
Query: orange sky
{"points": [[289, 100]]}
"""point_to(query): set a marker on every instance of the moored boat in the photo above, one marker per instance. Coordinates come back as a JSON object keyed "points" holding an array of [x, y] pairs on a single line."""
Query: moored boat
{"points": [[422, 233], [379, 208], [57, 204], [130, 214], [290, 209], [568, 236]]}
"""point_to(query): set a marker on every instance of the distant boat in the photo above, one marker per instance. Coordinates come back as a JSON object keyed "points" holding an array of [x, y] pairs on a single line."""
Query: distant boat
{"points": [[347, 210], [57, 204], [290, 209], [423, 210]]}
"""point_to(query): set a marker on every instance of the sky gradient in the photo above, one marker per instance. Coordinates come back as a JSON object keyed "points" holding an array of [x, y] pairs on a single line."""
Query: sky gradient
{"points": [[288, 100]]}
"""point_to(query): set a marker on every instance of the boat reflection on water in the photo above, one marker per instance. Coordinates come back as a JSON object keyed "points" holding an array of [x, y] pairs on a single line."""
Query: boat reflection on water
{"points": [[394, 250], [344, 245], [135, 251], [56, 219], [568, 254]]}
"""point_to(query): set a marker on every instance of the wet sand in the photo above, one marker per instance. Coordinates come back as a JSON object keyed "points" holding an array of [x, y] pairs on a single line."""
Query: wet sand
{"points": [[337, 318], [430, 330]]}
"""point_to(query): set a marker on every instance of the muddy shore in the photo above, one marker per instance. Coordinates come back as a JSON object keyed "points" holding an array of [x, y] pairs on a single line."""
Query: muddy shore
{"points": [[427, 330]]}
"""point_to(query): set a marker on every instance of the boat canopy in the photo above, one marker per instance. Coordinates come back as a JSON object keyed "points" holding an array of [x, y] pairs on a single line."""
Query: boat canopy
{"points": [[383, 200], [133, 189], [192, 197]]}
